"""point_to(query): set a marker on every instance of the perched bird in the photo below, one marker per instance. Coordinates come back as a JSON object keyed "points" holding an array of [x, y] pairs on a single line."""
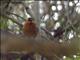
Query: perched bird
{"points": [[58, 32], [29, 28]]}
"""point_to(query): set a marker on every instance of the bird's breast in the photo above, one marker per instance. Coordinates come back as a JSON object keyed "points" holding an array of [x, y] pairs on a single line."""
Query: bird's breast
{"points": [[30, 29]]}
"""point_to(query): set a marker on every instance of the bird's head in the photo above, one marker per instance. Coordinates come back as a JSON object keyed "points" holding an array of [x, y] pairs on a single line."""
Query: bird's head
{"points": [[30, 19]]}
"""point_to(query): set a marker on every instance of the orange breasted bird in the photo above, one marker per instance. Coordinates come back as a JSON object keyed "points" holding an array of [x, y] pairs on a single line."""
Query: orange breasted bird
{"points": [[29, 28]]}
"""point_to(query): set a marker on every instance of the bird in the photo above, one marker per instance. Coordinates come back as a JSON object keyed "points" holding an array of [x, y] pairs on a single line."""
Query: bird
{"points": [[58, 32], [30, 28]]}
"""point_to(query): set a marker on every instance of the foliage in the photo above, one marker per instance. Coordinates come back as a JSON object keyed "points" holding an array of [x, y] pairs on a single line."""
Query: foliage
{"points": [[52, 15]]}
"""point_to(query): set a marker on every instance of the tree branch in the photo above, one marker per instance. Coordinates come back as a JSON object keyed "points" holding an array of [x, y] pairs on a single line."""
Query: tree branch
{"points": [[11, 42]]}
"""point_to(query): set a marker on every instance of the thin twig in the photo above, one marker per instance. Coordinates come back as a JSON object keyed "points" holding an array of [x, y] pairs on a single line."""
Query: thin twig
{"points": [[15, 15], [48, 33], [12, 20], [7, 4]]}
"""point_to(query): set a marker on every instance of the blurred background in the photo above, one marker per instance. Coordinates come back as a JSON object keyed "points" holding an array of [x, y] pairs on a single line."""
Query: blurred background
{"points": [[58, 21]]}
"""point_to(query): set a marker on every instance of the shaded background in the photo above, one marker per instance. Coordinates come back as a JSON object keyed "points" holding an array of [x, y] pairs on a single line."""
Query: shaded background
{"points": [[63, 43]]}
